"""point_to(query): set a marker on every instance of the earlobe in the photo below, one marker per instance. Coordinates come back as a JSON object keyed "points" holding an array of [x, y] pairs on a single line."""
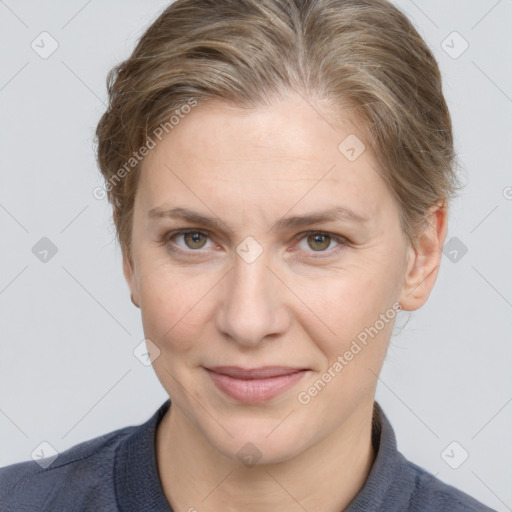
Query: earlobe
{"points": [[134, 302], [424, 260], [131, 281]]}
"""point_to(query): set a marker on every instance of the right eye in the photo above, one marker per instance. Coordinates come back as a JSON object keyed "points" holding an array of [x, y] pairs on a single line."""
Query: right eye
{"points": [[193, 240]]}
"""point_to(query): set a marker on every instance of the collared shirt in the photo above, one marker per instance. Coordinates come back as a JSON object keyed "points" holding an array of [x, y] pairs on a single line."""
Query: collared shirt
{"points": [[117, 472]]}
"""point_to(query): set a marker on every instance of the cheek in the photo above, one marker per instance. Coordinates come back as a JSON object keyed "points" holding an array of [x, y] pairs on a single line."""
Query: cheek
{"points": [[174, 307], [358, 304], [354, 298]]}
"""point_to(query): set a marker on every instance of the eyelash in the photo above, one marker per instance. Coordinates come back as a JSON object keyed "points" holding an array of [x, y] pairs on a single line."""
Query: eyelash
{"points": [[336, 238]]}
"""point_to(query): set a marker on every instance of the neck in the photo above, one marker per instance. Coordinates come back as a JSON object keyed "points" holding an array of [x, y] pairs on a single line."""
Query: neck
{"points": [[324, 478]]}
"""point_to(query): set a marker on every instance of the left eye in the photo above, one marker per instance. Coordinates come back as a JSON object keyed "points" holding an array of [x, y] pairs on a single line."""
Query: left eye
{"points": [[318, 242]]}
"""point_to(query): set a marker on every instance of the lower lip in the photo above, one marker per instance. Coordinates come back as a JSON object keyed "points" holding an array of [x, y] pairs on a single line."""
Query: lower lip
{"points": [[254, 390]]}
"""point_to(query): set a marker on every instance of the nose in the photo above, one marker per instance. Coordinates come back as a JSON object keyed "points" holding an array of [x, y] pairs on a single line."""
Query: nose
{"points": [[251, 309]]}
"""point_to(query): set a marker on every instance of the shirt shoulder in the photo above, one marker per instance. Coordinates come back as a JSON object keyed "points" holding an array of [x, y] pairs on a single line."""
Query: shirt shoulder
{"points": [[80, 478], [396, 484], [429, 493]]}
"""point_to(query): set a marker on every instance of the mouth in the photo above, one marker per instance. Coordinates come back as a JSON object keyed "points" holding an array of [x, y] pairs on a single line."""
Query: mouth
{"points": [[254, 385]]}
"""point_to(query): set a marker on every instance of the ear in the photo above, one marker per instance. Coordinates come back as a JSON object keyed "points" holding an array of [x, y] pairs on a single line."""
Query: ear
{"points": [[129, 275], [424, 259]]}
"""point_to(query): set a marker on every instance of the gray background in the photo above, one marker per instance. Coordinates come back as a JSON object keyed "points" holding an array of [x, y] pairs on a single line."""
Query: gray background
{"points": [[68, 327]]}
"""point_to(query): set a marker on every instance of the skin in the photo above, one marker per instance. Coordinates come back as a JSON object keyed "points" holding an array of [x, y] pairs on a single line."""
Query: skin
{"points": [[204, 305]]}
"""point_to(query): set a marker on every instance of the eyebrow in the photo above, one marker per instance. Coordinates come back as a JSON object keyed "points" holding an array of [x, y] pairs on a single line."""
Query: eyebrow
{"points": [[333, 214]]}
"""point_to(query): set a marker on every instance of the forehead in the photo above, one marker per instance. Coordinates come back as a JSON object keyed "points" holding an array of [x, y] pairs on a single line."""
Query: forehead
{"points": [[277, 154], [290, 128]]}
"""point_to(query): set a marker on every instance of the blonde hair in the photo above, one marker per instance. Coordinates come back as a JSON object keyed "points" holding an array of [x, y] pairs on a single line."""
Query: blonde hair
{"points": [[361, 53]]}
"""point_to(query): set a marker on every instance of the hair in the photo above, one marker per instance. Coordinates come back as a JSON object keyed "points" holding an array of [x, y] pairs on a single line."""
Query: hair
{"points": [[361, 54]]}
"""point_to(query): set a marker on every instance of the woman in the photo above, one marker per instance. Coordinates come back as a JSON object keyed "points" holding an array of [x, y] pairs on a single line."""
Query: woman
{"points": [[280, 172]]}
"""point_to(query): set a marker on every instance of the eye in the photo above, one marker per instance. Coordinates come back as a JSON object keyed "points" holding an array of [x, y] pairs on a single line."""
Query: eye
{"points": [[318, 241], [193, 240]]}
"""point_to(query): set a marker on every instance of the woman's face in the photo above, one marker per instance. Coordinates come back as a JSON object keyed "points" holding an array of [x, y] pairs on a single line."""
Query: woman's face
{"points": [[259, 282]]}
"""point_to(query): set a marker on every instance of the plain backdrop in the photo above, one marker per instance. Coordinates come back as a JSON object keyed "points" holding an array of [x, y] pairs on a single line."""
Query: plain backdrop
{"points": [[69, 329]]}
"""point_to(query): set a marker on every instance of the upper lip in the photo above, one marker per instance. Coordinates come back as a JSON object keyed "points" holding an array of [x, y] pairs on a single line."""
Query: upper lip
{"points": [[254, 373]]}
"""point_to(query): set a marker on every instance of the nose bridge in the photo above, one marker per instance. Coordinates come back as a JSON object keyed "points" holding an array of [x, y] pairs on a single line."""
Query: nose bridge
{"points": [[250, 308]]}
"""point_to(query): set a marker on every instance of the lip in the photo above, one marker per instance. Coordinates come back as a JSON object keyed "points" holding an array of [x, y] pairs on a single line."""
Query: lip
{"points": [[254, 385]]}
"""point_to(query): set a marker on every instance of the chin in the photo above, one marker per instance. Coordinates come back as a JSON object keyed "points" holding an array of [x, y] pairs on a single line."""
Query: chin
{"points": [[256, 447]]}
